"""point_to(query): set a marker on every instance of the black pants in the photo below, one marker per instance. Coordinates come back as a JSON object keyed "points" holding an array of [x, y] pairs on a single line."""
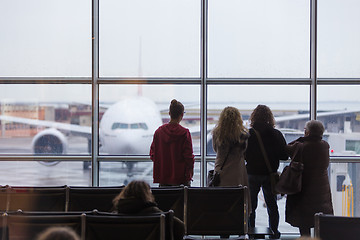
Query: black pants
{"points": [[255, 183]]}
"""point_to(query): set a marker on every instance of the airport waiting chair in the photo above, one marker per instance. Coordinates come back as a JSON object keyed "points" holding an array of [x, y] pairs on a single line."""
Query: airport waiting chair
{"points": [[3, 198], [36, 198], [169, 220], [329, 227], [25, 227], [90, 198], [4, 233], [115, 227], [215, 211], [53, 213], [170, 198]]}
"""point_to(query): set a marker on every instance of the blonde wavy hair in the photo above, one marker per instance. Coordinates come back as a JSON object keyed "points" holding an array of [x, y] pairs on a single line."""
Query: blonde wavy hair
{"points": [[229, 127]]}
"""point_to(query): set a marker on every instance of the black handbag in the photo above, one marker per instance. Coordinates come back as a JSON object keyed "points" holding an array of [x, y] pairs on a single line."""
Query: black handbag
{"points": [[291, 177], [274, 176], [213, 178]]}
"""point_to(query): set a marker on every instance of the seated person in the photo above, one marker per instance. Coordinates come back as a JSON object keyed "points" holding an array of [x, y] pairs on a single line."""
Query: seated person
{"points": [[58, 233], [136, 199]]}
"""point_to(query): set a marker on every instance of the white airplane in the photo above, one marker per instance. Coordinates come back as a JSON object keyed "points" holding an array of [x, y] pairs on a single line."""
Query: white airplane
{"points": [[126, 128]]}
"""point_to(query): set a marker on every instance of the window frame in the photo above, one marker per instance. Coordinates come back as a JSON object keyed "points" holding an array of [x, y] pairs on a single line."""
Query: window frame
{"points": [[203, 81]]}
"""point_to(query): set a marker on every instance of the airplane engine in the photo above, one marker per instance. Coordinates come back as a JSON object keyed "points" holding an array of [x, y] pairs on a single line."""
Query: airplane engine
{"points": [[50, 141]]}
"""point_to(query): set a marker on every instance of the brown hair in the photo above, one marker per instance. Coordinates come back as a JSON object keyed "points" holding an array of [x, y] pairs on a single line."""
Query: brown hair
{"points": [[58, 233], [137, 189], [176, 109], [229, 127], [262, 114]]}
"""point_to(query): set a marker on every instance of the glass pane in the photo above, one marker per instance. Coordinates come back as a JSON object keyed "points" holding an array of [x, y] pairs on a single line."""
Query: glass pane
{"points": [[261, 210], [259, 38], [152, 38], [45, 119], [289, 104], [45, 38], [36, 174], [338, 109], [130, 114], [121, 173], [338, 39], [344, 183]]}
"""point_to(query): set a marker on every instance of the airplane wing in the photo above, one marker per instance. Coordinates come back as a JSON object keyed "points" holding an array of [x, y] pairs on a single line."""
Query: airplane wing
{"points": [[74, 129], [307, 115]]}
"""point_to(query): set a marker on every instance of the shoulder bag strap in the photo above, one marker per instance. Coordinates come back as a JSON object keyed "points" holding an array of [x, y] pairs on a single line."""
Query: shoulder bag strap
{"points": [[299, 149], [263, 150], [226, 157]]}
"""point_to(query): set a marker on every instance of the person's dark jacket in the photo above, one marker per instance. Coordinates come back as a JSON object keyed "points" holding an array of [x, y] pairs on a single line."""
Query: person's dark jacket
{"points": [[133, 206], [315, 195], [274, 144]]}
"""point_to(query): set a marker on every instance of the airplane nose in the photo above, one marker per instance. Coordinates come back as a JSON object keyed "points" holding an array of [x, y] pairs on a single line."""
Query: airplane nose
{"points": [[130, 143]]}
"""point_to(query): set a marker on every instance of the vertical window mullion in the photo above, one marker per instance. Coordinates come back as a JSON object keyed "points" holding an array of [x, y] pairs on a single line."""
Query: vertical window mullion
{"points": [[313, 60], [95, 94]]}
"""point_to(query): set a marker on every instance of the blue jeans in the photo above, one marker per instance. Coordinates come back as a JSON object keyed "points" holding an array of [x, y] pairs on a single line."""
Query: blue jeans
{"points": [[255, 183]]}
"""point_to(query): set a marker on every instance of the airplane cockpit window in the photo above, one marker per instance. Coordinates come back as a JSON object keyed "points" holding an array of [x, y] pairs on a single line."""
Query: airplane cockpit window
{"points": [[120, 126], [139, 126], [117, 125], [143, 126]]}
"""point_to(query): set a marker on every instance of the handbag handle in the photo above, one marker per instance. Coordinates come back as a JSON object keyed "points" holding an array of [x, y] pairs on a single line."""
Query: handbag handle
{"points": [[263, 150]]}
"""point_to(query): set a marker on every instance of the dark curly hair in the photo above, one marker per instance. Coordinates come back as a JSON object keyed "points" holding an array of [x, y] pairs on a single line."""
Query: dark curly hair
{"points": [[262, 114]]}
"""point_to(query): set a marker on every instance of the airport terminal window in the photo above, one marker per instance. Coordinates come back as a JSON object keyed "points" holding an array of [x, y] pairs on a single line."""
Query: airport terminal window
{"points": [[139, 42], [283, 100], [39, 41], [338, 38], [44, 118], [119, 173], [143, 107], [41, 174], [343, 126], [259, 39]]}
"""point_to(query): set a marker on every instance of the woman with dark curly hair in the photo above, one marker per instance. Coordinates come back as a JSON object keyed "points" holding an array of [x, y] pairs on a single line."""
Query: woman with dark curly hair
{"points": [[262, 121]]}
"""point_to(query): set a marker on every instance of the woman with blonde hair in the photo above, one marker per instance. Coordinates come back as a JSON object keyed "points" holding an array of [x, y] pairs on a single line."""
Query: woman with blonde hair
{"points": [[230, 142], [263, 130]]}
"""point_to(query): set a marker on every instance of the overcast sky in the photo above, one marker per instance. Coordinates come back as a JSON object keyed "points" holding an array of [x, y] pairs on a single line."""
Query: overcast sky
{"points": [[161, 38]]}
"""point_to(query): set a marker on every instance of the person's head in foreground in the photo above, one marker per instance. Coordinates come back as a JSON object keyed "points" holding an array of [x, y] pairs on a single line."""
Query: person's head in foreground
{"points": [[58, 233], [136, 189]]}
